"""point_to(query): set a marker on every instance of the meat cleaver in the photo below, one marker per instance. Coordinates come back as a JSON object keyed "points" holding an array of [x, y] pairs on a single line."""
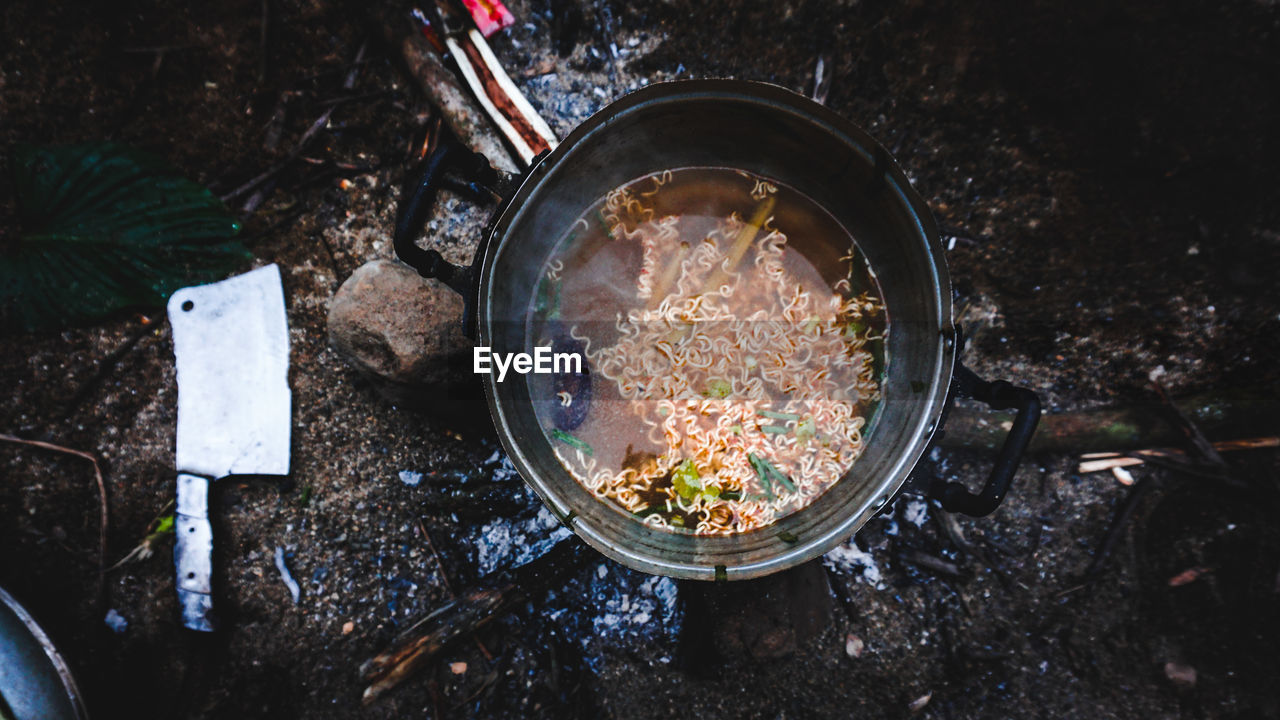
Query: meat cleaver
{"points": [[231, 344]]}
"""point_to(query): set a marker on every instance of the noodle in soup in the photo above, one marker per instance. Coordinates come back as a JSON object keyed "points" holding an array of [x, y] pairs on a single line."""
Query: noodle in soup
{"points": [[734, 345]]}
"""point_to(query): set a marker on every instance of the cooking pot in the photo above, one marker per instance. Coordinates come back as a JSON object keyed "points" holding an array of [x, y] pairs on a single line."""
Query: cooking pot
{"points": [[771, 132], [35, 680]]}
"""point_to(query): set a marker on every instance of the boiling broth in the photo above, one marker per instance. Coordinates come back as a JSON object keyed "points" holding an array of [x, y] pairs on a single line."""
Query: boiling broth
{"points": [[733, 340]]}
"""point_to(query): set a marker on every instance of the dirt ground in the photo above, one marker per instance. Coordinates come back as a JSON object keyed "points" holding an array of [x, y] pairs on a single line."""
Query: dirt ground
{"points": [[1103, 175]]}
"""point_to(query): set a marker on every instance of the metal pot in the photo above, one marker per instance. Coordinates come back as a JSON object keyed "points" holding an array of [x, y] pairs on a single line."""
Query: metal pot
{"points": [[769, 131], [35, 680]]}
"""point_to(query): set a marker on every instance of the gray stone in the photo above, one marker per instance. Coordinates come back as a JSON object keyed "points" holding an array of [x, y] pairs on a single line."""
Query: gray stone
{"points": [[401, 329]]}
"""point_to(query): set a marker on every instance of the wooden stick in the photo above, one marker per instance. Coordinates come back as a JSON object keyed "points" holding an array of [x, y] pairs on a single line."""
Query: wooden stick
{"points": [[1238, 412], [464, 615], [1096, 462], [467, 121], [444, 580]]}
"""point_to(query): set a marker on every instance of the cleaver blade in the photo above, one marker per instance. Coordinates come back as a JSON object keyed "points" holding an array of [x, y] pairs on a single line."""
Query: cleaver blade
{"points": [[231, 347]]}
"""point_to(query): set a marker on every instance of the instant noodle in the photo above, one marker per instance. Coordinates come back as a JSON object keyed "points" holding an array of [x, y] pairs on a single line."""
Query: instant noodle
{"points": [[733, 375]]}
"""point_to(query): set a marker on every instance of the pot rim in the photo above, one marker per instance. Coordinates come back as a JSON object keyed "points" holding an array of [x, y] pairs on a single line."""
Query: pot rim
{"points": [[936, 395]]}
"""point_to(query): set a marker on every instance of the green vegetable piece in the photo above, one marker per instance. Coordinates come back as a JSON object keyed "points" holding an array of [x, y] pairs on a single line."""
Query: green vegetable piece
{"points": [[768, 474], [854, 329], [773, 429], [737, 429], [677, 520], [164, 526], [789, 537], [731, 495], [686, 481], [548, 302], [711, 492], [718, 388], [758, 466], [784, 481], [806, 429], [306, 496], [604, 224], [778, 415], [570, 440]]}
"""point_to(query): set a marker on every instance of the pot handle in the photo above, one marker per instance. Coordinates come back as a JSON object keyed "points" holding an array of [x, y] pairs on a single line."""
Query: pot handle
{"points": [[417, 199], [999, 395]]}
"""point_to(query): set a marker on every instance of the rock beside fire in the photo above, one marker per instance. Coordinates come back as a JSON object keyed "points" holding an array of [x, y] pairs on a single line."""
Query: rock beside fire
{"points": [[400, 329]]}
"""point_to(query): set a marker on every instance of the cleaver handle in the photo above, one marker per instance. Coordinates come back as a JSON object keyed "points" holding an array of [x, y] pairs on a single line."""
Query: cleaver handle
{"points": [[193, 552]]}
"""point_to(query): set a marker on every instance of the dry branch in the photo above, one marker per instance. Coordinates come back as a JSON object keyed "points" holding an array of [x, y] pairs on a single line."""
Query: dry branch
{"points": [[1096, 462], [464, 615], [1242, 412]]}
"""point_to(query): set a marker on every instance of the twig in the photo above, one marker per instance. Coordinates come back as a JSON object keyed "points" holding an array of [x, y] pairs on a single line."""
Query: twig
{"points": [[1199, 443], [264, 37], [102, 495], [454, 103], [107, 364], [464, 615], [444, 580], [1242, 411], [352, 98], [354, 72], [1117, 527], [316, 126], [397, 663], [1096, 462], [444, 577], [153, 534], [930, 562], [156, 49]]}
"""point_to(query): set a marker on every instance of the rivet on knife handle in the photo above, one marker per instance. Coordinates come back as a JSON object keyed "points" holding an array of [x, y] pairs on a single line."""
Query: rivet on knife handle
{"points": [[193, 554]]}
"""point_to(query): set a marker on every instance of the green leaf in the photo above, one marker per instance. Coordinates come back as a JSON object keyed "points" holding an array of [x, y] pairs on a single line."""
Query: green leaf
{"points": [[105, 227], [686, 481]]}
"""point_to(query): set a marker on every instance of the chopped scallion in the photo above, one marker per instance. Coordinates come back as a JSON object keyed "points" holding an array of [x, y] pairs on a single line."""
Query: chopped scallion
{"points": [[768, 473], [570, 440]]}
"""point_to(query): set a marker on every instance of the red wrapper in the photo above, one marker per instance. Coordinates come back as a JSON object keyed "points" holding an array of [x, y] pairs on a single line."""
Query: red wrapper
{"points": [[490, 15]]}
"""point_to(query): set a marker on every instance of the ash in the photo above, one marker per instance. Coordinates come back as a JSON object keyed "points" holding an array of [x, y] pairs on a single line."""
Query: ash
{"points": [[508, 543], [849, 559], [611, 610]]}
